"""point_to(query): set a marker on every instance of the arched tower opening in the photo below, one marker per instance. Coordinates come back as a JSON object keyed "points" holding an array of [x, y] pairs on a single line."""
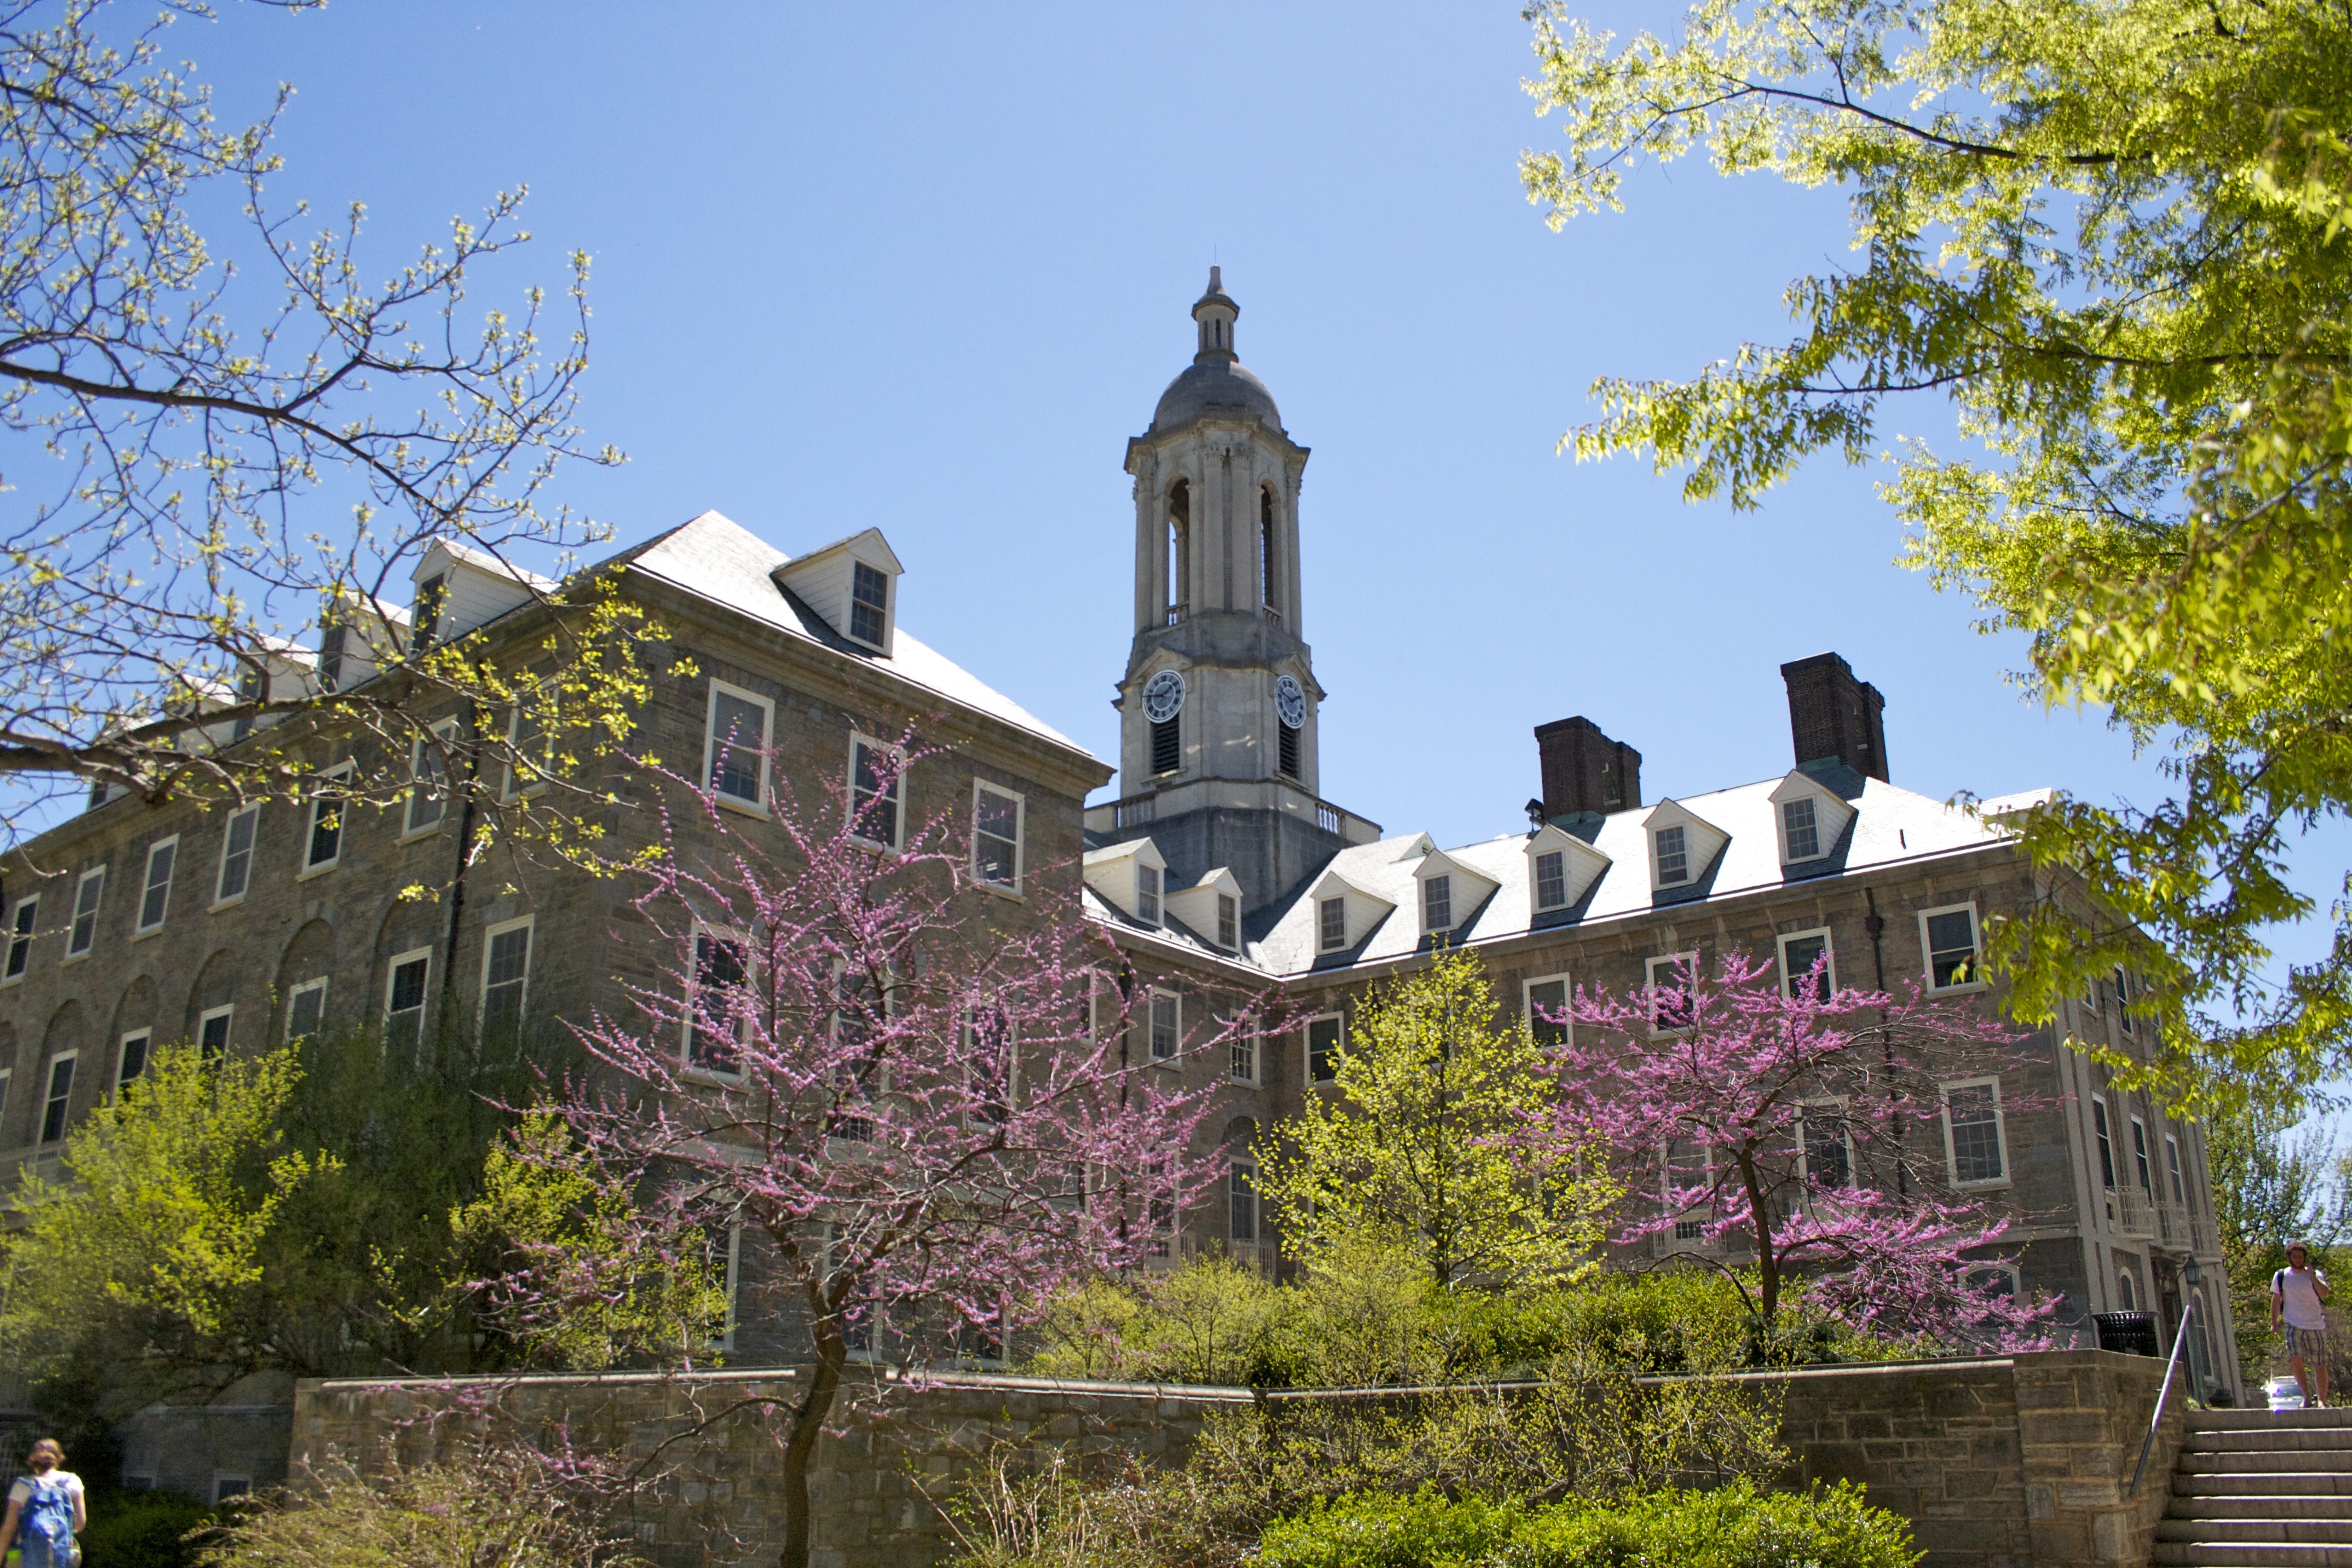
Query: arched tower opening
{"points": [[1177, 568], [1269, 553]]}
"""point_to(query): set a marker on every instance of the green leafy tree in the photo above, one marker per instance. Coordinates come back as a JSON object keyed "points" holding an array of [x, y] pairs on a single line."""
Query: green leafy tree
{"points": [[2113, 236], [2271, 1186], [1416, 1147]]}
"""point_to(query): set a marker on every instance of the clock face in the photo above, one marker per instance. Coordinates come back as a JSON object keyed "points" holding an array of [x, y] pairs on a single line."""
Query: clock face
{"points": [[1289, 702], [1163, 696]]}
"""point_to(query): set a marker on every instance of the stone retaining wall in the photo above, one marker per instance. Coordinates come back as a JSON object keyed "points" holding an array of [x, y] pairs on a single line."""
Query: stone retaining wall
{"points": [[1998, 1463]]}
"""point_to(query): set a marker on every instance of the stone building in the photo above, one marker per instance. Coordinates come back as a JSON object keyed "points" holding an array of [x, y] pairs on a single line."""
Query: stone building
{"points": [[1220, 866]]}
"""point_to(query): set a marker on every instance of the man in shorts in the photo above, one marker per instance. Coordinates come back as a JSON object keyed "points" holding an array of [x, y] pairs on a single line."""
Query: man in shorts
{"points": [[2298, 1295]]}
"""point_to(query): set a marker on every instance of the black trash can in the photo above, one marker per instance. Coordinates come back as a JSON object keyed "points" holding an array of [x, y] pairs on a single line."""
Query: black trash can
{"points": [[2133, 1334]]}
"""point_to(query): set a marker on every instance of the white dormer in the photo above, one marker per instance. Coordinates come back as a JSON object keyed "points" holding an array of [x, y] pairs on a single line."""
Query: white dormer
{"points": [[357, 636], [1448, 892], [459, 588], [1344, 915], [1130, 878], [1681, 846], [1212, 907], [854, 584], [1808, 818], [1561, 868]]}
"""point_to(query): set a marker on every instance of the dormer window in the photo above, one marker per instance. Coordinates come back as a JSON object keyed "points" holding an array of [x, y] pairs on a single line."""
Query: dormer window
{"points": [[1229, 923], [425, 616], [1437, 903], [869, 606], [1800, 829], [1551, 880], [1331, 924], [1674, 856], [1146, 893]]}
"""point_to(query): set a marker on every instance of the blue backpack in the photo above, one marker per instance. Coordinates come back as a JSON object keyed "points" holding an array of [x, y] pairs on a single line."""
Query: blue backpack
{"points": [[49, 1512]]}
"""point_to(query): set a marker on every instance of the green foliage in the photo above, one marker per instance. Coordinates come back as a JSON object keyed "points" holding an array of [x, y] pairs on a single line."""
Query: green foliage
{"points": [[2269, 1190], [1410, 1148], [144, 1530], [2114, 237], [1735, 1527], [510, 1508]]}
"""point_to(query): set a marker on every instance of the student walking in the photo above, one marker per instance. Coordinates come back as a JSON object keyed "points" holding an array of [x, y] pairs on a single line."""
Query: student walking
{"points": [[45, 1511], [2298, 1295]]}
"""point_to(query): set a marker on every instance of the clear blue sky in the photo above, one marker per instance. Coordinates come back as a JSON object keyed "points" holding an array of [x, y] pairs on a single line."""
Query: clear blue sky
{"points": [[928, 267]]}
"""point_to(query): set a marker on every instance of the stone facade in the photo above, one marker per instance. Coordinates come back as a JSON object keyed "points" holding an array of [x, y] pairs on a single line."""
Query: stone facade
{"points": [[2018, 1462]]}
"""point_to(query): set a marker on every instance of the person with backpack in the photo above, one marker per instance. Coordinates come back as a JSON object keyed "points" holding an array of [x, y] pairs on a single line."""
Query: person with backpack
{"points": [[45, 1511], [2298, 1295]]}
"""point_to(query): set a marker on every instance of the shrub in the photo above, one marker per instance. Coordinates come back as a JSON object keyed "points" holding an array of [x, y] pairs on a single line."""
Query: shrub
{"points": [[143, 1528], [1733, 1527]]}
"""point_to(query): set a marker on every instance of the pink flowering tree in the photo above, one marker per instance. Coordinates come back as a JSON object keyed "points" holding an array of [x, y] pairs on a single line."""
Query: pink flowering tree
{"points": [[1823, 1140], [915, 1096]]}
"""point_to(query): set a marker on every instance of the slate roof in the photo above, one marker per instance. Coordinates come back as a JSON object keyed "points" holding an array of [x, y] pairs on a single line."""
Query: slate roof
{"points": [[717, 560], [1892, 827]]}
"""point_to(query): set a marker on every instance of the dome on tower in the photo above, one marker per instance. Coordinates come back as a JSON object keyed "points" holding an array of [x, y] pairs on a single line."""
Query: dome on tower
{"points": [[1214, 384]]}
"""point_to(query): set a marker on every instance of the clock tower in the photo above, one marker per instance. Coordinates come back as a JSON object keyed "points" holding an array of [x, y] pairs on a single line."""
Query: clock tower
{"points": [[1218, 710]]}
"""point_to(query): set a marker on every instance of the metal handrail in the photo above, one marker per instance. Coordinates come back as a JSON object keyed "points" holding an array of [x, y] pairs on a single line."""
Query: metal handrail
{"points": [[2179, 1337]]}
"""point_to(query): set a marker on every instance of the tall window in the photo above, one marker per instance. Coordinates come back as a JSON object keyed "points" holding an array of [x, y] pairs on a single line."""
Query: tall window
{"points": [[530, 747], [425, 614], [1674, 856], [1167, 1025], [1331, 924], [21, 924], [990, 1064], [2126, 1285], [428, 776], [1177, 566], [736, 747], [2172, 1169], [996, 836], [506, 974], [2123, 1001], [877, 787], [869, 604], [87, 894], [1799, 953], [1547, 1010], [327, 802], [306, 1006], [1241, 1188], [212, 1031], [155, 899], [403, 1001], [714, 1031], [134, 1060], [1241, 1064], [1146, 892], [1266, 553], [1551, 880], [1688, 1183], [1327, 1037], [61, 1097], [1229, 923], [250, 690], [1972, 1131], [236, 856], [1829, 1157], [334, 638], [2106, 1143], [1949, 936], [1800, 829], [1437, 903], [1668, 977], [2139, 1157]]}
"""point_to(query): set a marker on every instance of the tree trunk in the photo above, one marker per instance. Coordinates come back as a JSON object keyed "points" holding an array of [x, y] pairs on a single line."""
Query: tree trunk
{"points": [[799, 1447]]}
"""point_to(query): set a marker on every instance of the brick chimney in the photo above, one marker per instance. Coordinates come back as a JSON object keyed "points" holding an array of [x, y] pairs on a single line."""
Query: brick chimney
{"points": [[1833, 717], [1585, 771]]}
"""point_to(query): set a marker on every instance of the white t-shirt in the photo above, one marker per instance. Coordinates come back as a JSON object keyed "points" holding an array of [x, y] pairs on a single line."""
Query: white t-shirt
{"points": [[2300, 1289], [21, 1492]]}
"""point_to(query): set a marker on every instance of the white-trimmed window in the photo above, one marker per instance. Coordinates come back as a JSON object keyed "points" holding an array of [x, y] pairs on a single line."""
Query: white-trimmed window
{"points": [[1800, 951], [712, 1037], [530, 747], [155, 897], [1241, 1192], [506, 976], [735, 746], [59, 1099], [2127, 1282], [1800, 830], [5, 1075], [1146, 893], [2140, 1163], [1437, 903], [1976, 1146], [328, 805], [428, 779], [306, 1008], [1551, 880], [235, 872], [1668, 978], [1327, 1039], [1825, 1144], [2105, 1140], [727, 1261], [2123, 1001], [212, 1031], [1994, 1280], [1241, 1058], [425, 616], [991, 1065], [1229, 923], [226, 1485], [2172, 1169], [1688, 1177], [88, 894], [869, 604], [23, 921], [1331, 924], [1672, 847], [403, 1000], [130, 1059], [1947, 936], [860, 1080], [996, 823], [878, 791], [1167, 1025], [1545, 999]]}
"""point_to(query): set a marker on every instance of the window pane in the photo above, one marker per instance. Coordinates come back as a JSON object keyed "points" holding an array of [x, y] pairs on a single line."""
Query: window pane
{"points": [[1975, 1134], [1797, 818], [1952, 947], [2106, 1144], [1827, 1162], [1798, 957], [212, 1034], [1673, 862], [1548, 1012], [303, 1010], [1146, 893], [159, 886], [738, 735], [875, 779], [1551, 880], [134, 1058], [20, 936], [869, 597], [53, 1114], [85, 921], [429, 773], [1228, 922], [714, 1041], [326, 829], [1437, 903], [1333, 919], [1164, 1026], [996, 838], [1241, 1185], [237, 853], [1323, 1045], [506, 966]]}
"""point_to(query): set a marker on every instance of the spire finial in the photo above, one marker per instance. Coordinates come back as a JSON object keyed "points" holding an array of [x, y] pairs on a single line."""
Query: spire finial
{"points": [[1215, 312], [1216, 284]]}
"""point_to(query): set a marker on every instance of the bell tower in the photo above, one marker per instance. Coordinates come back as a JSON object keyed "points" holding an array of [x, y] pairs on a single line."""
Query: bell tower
{"points": [[1218, 709]]}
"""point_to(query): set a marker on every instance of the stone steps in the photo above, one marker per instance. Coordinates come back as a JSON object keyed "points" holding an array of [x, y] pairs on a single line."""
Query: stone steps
{"points": [[2254, 1490]]}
